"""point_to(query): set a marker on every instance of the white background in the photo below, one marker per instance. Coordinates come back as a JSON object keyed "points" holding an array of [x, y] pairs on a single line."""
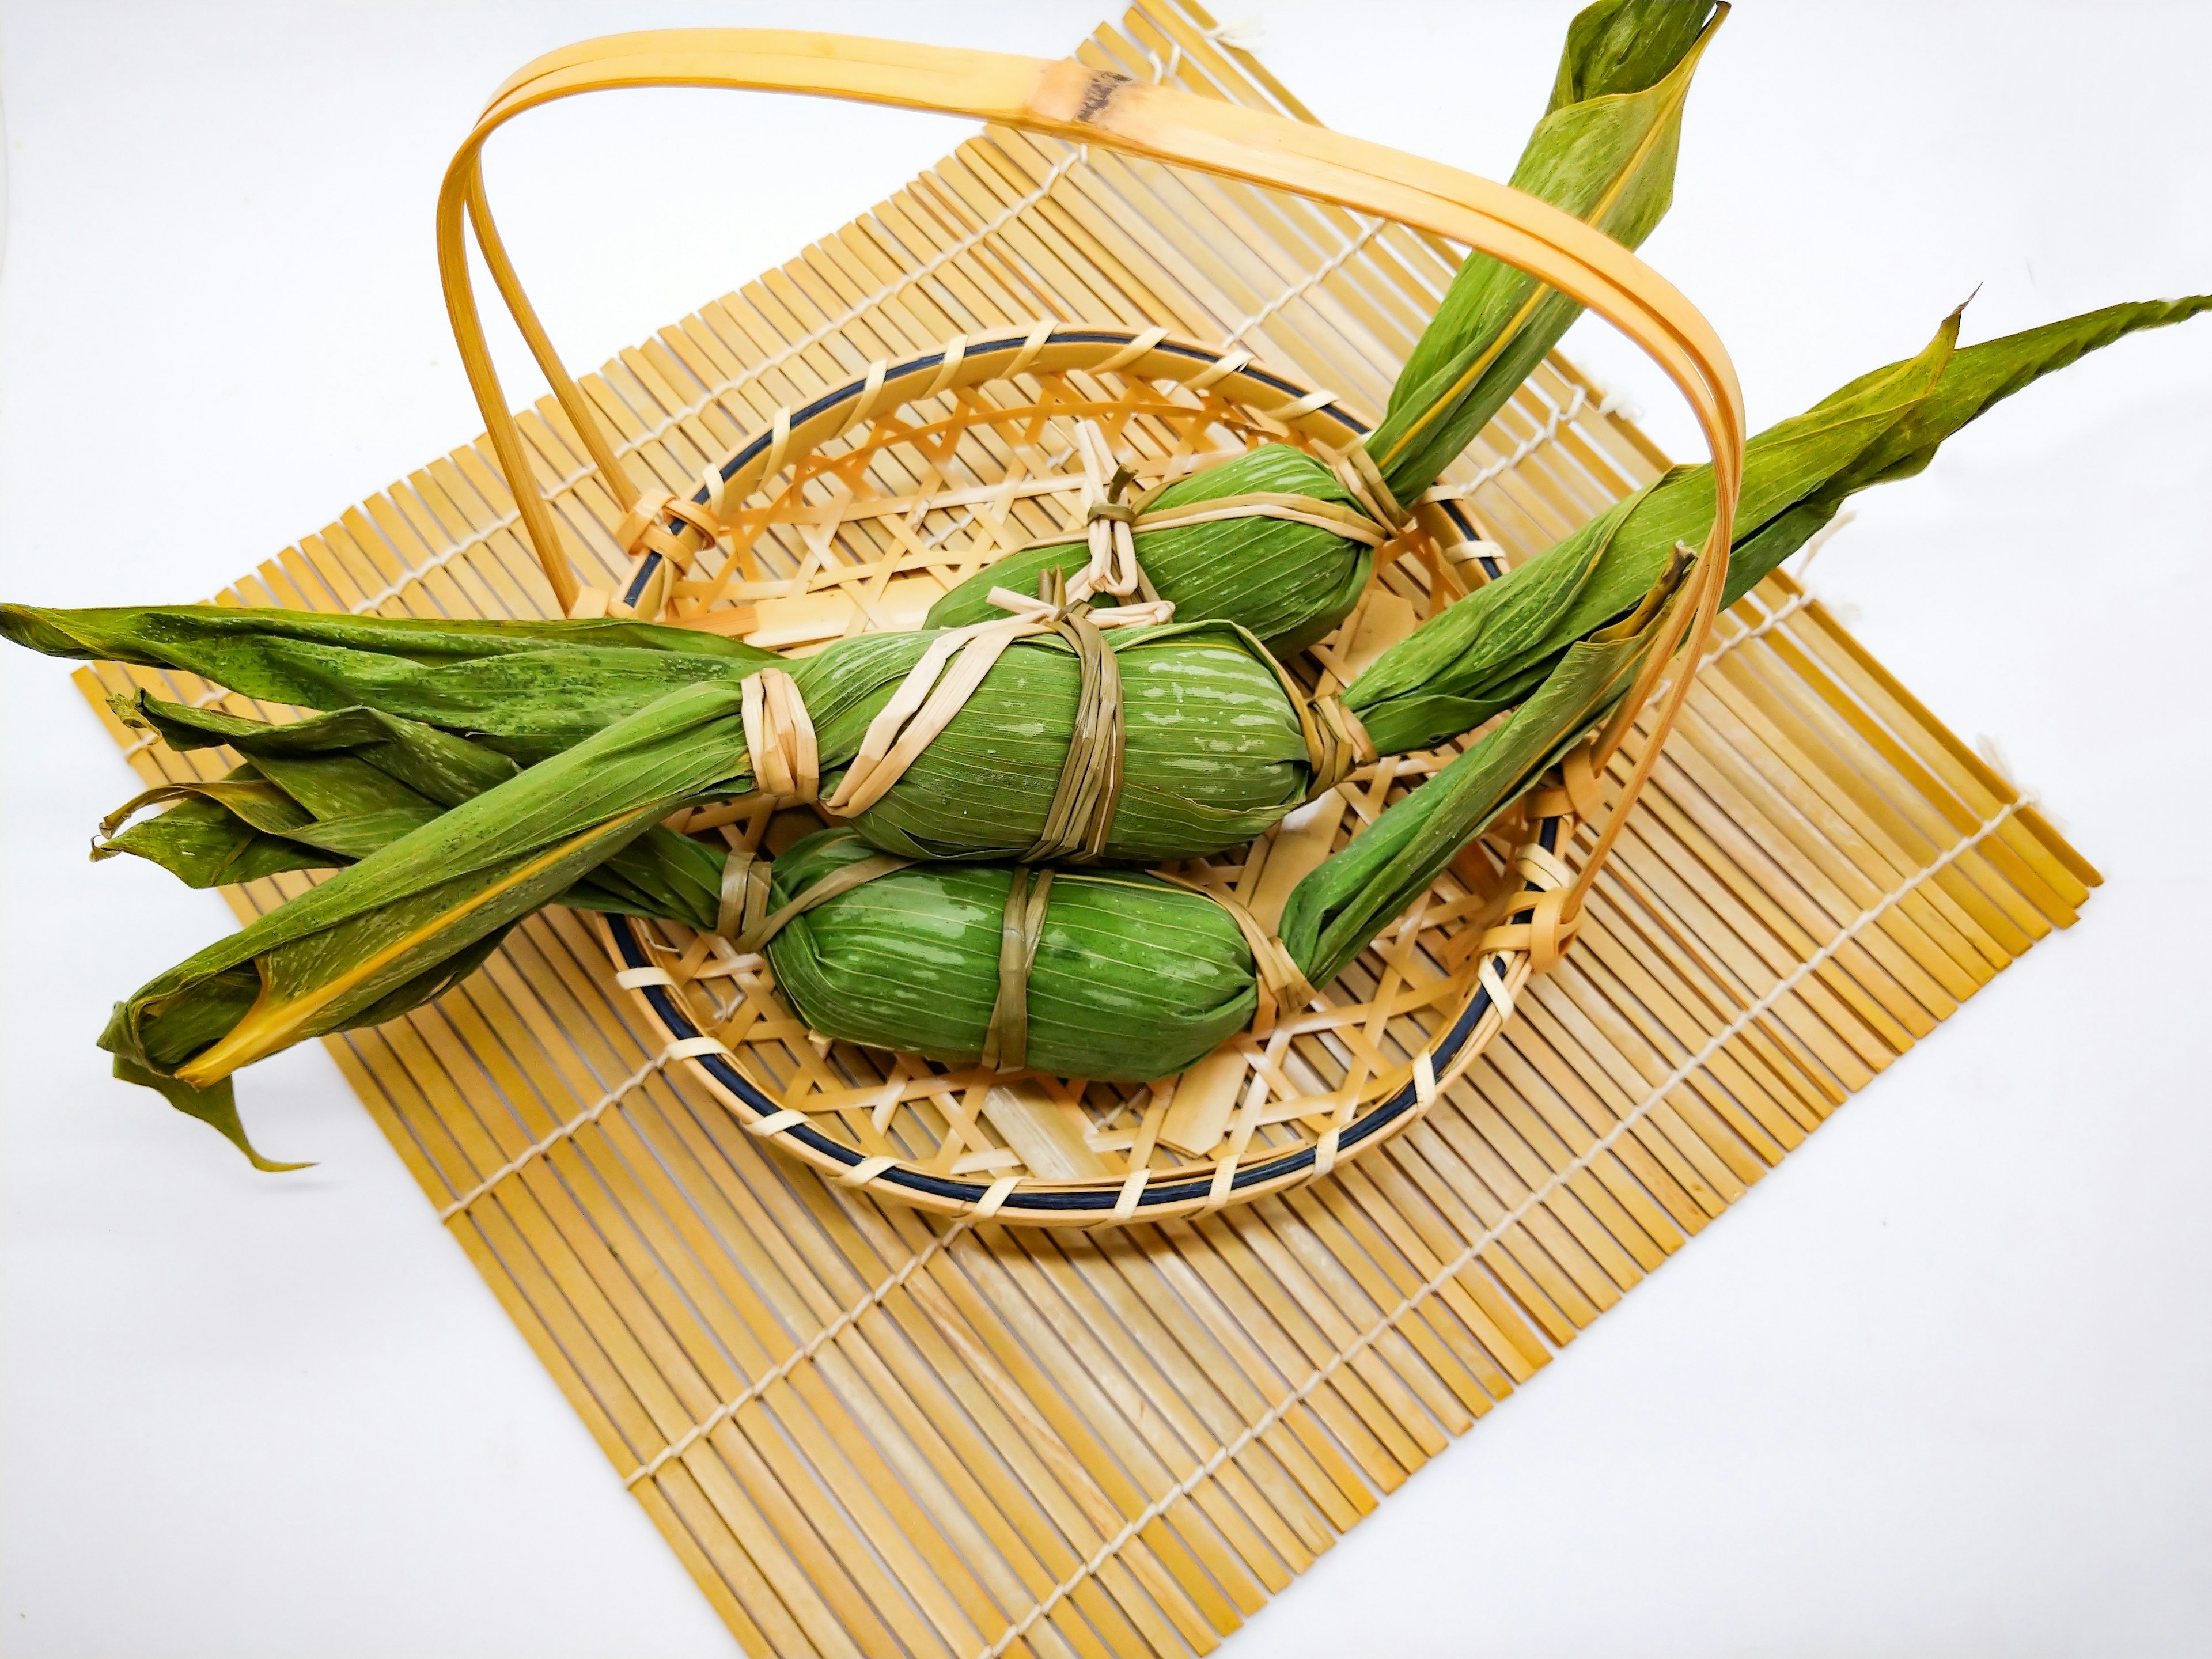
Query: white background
{"points": [[1937, 1386]]}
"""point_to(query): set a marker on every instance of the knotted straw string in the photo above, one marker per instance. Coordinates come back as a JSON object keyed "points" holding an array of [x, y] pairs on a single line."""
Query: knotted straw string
{"points": [[925, 703], [1281, 982], [1007, 1039], [1081, 815], [747, 923], [780, 738]]}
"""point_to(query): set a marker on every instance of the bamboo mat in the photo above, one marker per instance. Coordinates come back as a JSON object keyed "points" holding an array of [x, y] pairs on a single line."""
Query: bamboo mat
{"points": [[868, 1432]]}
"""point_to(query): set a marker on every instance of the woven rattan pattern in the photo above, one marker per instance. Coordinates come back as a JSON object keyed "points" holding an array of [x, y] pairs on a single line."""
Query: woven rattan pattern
{"points": [[865, 1432]]}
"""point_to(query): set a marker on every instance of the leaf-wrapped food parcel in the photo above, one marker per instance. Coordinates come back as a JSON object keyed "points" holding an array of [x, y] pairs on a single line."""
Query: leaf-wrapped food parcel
{"points": [[1132, 978], [1603, 152], [1215, 751], [407, 921]]}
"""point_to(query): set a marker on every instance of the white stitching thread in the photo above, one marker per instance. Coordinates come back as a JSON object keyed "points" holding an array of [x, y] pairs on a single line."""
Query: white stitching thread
{"points": [[1491, 1235], [538, 1148], [1306, 284], [813, 1345], [1536, 440]]}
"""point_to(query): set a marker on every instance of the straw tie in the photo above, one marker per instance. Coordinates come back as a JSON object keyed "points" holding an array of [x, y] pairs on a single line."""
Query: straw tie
{"points": [[1337, 741], [745, 919], [1576, 791], [947, 674], [1541, 929], [641, 531], [1006, 1040], [780, 738], [1111, 525], [1281, 983]]}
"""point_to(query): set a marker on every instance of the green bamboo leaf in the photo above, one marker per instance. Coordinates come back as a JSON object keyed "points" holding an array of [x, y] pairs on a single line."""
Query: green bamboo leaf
{"points": [[1606, 155], [1335, 913], [326, 792], [527, 689], [397, 927], [216, 1107], [1484, 653], [203, 841]]}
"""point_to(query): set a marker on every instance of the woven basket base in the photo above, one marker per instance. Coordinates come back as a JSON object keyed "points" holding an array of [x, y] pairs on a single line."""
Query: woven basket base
{"points": [[866, 1430]]}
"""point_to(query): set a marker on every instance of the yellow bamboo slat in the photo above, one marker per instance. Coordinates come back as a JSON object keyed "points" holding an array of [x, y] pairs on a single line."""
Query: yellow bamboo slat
{"points": [[865, 1429]]}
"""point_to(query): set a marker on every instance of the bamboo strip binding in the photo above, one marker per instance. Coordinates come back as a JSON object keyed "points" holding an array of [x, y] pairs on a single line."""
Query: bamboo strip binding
{"points": [[926, 1135]]}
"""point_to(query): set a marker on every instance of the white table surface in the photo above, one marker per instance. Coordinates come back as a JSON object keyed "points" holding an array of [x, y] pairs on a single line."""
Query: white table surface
{"points": [[1938, 1385]]}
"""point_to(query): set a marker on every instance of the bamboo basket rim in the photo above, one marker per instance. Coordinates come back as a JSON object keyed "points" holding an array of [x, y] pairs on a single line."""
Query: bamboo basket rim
{"points": [[791, 443]]}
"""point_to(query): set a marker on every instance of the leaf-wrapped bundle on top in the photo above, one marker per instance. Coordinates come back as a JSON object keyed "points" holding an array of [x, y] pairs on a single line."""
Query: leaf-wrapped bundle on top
{"points": [[1603, 152], [1214, 744]]}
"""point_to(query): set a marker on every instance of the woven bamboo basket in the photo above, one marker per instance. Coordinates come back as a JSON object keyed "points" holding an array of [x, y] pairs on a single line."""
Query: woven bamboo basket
{"points": [[857, 510]]}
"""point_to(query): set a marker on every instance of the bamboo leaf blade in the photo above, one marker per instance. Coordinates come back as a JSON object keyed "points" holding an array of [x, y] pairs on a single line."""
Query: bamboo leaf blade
{"points": [[1608, 157], [1335, 913], [326, 790], [205, 844], [525, 689], [1478, 658], [437, 765], [216, 1107], [333, 789], [400, 920], [1980, 376]]}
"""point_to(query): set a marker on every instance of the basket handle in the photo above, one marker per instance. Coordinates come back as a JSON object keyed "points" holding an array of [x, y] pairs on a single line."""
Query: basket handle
{"points": [[1066, 99]]}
